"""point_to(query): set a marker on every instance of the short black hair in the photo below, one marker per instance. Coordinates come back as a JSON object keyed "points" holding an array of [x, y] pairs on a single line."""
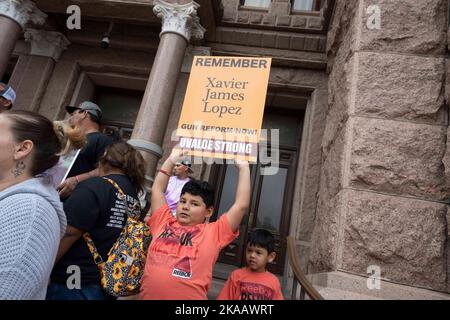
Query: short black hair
{"points": [[262, 238], [200, 188], [94, 119]]}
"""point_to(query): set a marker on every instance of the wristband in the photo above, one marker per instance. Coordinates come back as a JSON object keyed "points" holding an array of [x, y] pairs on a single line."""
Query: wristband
{"points": [[165, 172]]}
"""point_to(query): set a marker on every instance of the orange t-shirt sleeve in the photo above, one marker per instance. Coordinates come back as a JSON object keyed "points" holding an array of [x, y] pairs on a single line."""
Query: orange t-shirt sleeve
{"points": [[223, 234], [230, 289], [278, 294], [160, 216]]}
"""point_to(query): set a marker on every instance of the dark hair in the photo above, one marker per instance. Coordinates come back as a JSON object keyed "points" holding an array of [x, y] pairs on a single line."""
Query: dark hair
{"points": [[200, 188], [262, 238], [94, 119], [123, 156], [50, 139]]}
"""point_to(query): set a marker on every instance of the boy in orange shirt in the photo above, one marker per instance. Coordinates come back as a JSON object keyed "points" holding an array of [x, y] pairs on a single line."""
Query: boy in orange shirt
{"points": [[184, 248], [254, 282]]}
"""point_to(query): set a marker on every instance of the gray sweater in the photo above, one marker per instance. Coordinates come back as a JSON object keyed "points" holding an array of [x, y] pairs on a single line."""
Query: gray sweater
{"points": [[32, 223]]}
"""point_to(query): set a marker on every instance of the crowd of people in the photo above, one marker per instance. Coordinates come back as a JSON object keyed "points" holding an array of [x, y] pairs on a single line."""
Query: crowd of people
{"points": [[50, 235]]}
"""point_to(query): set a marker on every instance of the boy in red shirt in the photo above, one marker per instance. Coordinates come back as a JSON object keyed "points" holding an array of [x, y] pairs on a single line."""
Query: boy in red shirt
{"points": [[254, 282], [184, 248]]}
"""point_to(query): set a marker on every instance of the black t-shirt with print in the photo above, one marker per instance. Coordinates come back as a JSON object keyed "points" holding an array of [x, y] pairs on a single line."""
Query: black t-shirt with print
{"points": [[95, 208], [96, 143]]}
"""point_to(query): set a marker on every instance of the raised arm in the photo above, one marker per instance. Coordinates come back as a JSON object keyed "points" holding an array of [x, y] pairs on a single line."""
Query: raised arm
{"points": [[162, 179], [242, 199]]}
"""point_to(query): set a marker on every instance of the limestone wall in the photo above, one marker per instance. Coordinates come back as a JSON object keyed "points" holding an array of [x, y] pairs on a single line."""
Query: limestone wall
{"points": [[383, 184]]}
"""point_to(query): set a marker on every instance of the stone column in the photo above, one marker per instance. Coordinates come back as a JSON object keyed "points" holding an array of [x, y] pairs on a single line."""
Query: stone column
{"points": [[14, 15], [382, 199], [179, 24], [33, 71]]}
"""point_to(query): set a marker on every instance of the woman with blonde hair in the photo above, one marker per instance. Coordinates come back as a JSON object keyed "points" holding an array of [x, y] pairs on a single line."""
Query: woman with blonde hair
{"points": [[32, 220]]}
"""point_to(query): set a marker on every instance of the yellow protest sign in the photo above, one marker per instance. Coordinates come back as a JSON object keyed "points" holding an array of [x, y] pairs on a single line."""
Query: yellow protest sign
{"points": [[224, 106]]}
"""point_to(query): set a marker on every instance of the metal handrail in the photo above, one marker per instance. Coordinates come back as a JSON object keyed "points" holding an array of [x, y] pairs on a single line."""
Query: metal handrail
{"points": [[299, 276]]}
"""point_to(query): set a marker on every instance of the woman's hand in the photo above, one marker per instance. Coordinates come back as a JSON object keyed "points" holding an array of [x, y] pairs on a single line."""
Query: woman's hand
{"points": [[66, 188]]}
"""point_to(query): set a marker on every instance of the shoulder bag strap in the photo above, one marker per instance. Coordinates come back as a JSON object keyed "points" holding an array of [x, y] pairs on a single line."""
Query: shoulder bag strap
{"points": [[98, 260], [123, 197]]}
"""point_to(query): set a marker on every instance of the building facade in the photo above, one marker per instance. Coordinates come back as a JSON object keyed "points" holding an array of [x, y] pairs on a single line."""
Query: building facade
{"points": [[358, 89]]}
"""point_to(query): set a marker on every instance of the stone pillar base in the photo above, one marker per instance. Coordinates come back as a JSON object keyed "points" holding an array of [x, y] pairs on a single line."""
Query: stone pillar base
{"points": [[339, 285]]}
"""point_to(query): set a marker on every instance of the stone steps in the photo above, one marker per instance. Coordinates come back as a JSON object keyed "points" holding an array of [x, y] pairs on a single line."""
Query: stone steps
{"points": [[337, 294], [340, 286], [214, 290]]}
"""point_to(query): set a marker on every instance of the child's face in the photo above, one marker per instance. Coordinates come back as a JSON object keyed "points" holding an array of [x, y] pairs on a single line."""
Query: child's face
{"points": [[192, 210], [257, 258]]}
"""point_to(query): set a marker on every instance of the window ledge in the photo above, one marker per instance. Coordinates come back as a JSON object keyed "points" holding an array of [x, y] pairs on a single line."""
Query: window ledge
{"points": [[305, 13], [249, 8]]}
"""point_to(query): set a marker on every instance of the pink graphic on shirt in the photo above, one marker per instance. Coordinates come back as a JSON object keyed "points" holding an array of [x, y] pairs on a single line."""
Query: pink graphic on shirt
{"points": [[173, 246], [255, 291]]}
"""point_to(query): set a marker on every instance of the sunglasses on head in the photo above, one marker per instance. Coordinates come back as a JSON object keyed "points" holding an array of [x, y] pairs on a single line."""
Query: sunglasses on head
{"points": [[77, 110]]}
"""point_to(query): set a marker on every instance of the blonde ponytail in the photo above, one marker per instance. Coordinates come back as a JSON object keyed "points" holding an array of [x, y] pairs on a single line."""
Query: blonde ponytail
{"points": [[70, 137]]}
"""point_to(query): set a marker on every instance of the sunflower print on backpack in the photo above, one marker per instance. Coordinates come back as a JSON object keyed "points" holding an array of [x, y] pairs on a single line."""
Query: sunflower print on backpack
{"points": [[121, 273]]}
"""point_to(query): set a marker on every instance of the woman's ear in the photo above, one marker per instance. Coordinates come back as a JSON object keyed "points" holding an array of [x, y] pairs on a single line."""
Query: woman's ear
{"points": [[23, 149]]}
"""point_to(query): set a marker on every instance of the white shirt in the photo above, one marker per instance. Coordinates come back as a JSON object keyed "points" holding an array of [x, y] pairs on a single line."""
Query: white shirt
{"points": [[173, 192]]}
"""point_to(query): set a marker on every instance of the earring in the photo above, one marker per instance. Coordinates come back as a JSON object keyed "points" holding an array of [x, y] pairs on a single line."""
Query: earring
{"points": [[18, 170]]}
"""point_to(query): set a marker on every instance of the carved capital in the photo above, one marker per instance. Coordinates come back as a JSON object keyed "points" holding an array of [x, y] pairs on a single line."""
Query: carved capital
{"points": [[181, 19], [46, 43], [22, 11]]}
